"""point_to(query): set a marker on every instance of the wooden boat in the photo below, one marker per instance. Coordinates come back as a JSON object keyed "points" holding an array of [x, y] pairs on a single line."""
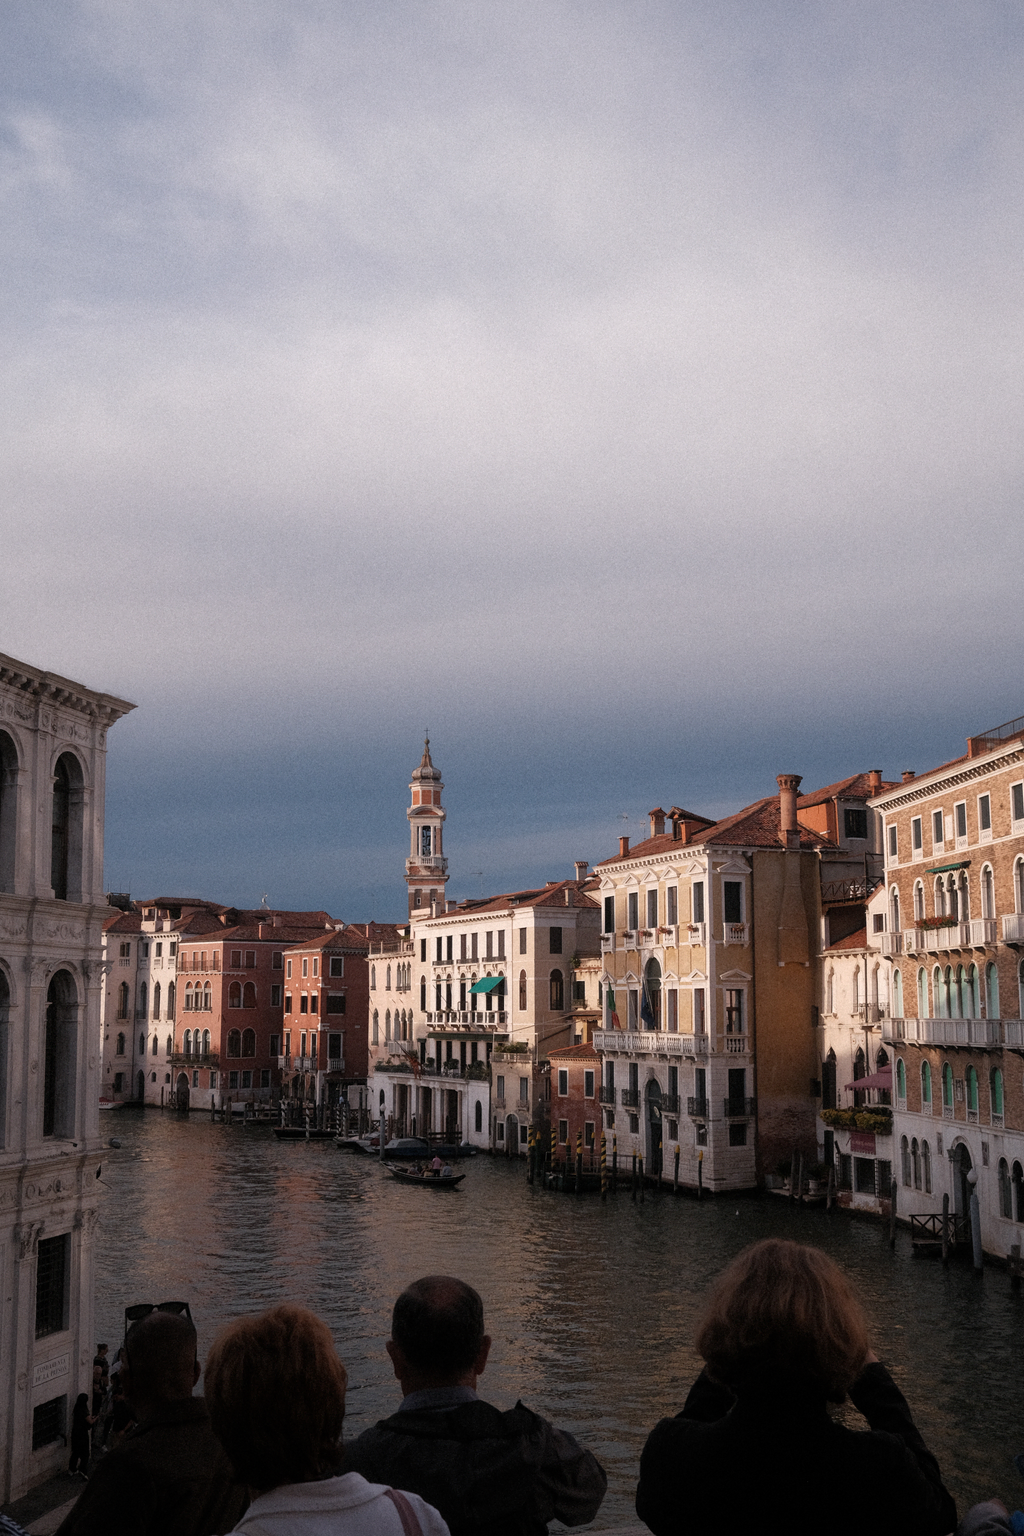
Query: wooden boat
{"points": [[429, 1182], [299, 1133]]}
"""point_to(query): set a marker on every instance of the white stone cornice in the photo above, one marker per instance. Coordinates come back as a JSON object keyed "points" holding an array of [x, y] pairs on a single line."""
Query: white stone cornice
{"points": [[930, 785]]}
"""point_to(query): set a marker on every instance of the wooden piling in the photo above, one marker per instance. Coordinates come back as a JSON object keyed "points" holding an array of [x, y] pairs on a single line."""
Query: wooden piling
{"points": [[893, 1188], [945, 1230], [641, 1171], [675, 1171], [700, 1174], [830, 1188], [615, 1163], [604, 1166], [792, 1176], [632, 1181], [799, 1178], [579, 1162]]}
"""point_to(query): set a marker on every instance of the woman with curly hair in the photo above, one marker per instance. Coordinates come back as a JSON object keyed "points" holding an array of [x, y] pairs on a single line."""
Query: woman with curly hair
{"points": [[755, 1449]]}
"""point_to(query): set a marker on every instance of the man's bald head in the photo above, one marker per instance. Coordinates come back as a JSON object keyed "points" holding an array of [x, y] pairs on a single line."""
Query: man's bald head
{"points": [[438, 1324], [162, 1363]]}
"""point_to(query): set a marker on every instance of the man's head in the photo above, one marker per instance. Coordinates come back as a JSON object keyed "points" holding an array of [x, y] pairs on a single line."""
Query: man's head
{"points": [[160, 1365], [437, 1334], [101, 1350]]}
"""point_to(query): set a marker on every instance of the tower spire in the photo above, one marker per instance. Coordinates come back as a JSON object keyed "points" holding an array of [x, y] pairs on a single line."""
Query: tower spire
{"points": [[426, 868]]}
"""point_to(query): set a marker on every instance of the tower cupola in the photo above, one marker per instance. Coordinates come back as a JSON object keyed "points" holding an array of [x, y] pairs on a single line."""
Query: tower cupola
{"points": [[426, 868]]}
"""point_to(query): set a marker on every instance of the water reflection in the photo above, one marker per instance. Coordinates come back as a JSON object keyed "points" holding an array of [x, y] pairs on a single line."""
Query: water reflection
{"points": [[592, 1308]]}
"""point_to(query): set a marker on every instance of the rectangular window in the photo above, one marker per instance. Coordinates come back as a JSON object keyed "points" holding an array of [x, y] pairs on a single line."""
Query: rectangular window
{"points": [[673, 1010], [264, 1077], [314, 1002], [855, 821], [937, 828], [232, 1079], [275, 996], [697, 901], [634, 1077], [554, 941], [159, 949], [304, 1003], [276, 960], [522, 941], [53, 1275], [316, 965], [288, 971], [473, 940], [609, 916], [250, 960], [423, 949], [499, 1089], [287, 1002], [864, 1175], [916, 834], [275, 1045], [305, 966], [960, 815], [878, 922], [699, 1015], [49, 1422], [438, 950], [588, 1134], [891, 834], [302, 1043], [737, 1133], [247, 1079], [588, 1083], [673, 1082], [336, 1002], [501, 944], [172, 948], [449, 951], [563, 1082], [145, 952], [337, 965], [524, 1090], [462, 946], [563, 1132], [732, 901], [652, 909], [672, 905], [287, 1042], [213, 1079], [488, 946], [733, 1011], [1017, 802], [633, 910], [634, 1008], [985, 813]]}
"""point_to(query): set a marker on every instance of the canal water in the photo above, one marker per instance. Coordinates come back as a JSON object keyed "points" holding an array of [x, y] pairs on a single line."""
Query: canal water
{"points": [[591, 1307]]}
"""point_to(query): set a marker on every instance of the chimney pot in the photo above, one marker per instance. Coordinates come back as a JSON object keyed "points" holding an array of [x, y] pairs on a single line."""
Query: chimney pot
{"points": [[657, 821], [875, 780], [908, 774], [788, 784], [623, 847], [581, 868]]}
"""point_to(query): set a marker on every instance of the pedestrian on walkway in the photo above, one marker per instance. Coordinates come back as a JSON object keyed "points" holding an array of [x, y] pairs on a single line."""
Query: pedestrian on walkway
{"points": [[81, 1423]]}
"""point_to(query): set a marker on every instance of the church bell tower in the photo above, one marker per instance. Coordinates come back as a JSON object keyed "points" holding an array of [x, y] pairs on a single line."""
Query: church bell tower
{"points": [[426, 868]]}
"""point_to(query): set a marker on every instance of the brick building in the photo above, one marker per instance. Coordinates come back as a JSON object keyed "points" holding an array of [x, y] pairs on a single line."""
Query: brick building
{"points": [[575, 1106]]}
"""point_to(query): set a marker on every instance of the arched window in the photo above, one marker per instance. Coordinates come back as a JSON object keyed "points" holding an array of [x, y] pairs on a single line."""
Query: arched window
{"points": [[478, 1115], [1018, 886], [170, 1045], [652, 983], [1018, 1192], [234, 1042], [123, 998], [940, 897], [856, 989], [963, 898], [207, 997], [922, 992], [901, 1078], [188, 997], [995, 1083], [828, 1081], [66, 828], [918, 900], [859, 1071], [947, 1086], [143, 1001], [373, 978], [830, 993], [926, 1167], [970, 993], [376, 1027], [894, 910], [971, 1087], [156, 999], [8, 810], [249, 1042], [926, 1087], [387, 1025], [156, 1046], [186, 1042], [387, 984], [988, 892], [249, 995], [522, 991], [142, 1045], [235, 995], [897, 995], [206, 1042], [915, 1163], [1005, 1202], [1020, 989], [953, 980], [119, 1045], [905, 1160], [992, 990], [170, 999], [557, 991]]}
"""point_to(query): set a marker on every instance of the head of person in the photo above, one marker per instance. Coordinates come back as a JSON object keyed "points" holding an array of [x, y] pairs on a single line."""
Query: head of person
{"points": [[101, 1350], [783, 1314], [160, 1360], [437, 1334], [275, 1389], [82, 1403]]}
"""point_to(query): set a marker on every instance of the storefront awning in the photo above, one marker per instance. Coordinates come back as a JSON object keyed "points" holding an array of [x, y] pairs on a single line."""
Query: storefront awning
{"points": [[940, 869], [488, 984], [881, 1079]]}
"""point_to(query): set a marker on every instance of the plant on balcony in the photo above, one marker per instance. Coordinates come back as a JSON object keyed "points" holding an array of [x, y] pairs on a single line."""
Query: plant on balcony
{"points": [[477, 1072], [877, 1119], [931, 923]]}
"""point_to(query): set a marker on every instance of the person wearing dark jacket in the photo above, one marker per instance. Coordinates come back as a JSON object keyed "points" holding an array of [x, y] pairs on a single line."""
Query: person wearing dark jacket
{"points": [[755, 1448], [169, 1476], [503, 1474]]}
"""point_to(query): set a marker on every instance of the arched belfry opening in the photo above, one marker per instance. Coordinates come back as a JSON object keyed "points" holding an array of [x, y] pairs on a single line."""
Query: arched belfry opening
{"points": [[426, 868]]}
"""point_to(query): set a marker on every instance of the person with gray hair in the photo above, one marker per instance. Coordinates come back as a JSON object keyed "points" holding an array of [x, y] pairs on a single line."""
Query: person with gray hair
{"points": [[169, 1476], [489, 1473]]}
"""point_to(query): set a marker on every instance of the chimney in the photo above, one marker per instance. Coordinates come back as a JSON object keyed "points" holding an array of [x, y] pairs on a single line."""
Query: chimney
{"points": [[657, 821], [875, 780], [568, 896], [908, 774], [789, 832], [623, 847], [581, 868]]}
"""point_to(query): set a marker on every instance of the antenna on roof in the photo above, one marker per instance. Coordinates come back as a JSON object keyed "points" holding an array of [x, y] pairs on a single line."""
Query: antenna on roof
{"points": [[264, 902]]}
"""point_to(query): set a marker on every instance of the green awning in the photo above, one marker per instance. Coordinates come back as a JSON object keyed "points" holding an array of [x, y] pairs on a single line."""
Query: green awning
{"points": [[940, 869], [488, 984]]}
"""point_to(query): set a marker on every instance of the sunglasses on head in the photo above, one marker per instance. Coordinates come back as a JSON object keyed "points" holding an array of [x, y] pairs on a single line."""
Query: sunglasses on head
{"points": [[142, 1309]]}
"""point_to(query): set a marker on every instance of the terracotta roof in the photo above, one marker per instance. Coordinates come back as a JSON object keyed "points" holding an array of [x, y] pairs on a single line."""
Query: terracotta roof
{"points": [[856, 787], [351, 936], [551, 895], [573, 1053], [856, 940], [123, 922], [756, 826]]}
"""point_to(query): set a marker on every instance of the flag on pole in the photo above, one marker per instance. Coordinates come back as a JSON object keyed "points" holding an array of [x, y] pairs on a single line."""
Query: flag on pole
{"points": [[646, 1011], [611, 1009]]}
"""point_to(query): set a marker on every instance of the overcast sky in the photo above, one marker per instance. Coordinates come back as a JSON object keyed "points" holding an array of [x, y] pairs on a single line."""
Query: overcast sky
{"points": [[630, 393]]}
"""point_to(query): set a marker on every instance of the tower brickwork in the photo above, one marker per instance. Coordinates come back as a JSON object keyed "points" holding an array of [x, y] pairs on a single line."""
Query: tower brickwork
{"points": [[426, 868]]}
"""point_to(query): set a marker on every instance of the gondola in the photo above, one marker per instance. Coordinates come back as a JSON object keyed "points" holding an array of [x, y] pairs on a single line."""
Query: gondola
{"points": [[430, 1182], [299, 1133]]}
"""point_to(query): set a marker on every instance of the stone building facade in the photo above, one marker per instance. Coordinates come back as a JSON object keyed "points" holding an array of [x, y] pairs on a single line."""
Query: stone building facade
{"points": [[53, 742]]}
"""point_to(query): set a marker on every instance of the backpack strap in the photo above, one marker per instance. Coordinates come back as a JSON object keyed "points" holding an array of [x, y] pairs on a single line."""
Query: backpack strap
{"points": [[408, 1516]]}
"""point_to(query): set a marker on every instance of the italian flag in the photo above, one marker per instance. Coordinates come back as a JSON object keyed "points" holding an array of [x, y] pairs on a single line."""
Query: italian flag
{"points": [[611, 1010]]}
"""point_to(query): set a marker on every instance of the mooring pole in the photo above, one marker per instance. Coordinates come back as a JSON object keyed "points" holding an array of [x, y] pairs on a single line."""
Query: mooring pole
{"points": [[893, 1188], [632, 1181], [675, 1171], [604, 1166], [830, 1190], [641, 1171], [615, 1163], [700, 1174], [792, 1175], [945, 1230], [579, 1162]]}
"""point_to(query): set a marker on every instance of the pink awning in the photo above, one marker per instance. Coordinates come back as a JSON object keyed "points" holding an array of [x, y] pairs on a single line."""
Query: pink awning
{"points": [[881, 1079]]}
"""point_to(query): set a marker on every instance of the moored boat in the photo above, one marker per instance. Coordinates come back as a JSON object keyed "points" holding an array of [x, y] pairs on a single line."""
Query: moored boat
{"points": [[425, 1180]]}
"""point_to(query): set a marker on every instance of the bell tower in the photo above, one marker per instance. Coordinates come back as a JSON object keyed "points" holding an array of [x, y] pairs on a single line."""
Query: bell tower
{"points": [[426, 868]]}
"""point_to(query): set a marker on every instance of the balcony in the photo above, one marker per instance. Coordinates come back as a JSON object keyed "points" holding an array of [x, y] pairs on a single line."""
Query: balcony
{"points": [[739, 1109], [455, 1018], [606, 1094], [981, 931], [648, 936], [1013, 928], [607, 943], [427, 861], [630, 1098], [735, 1045], [303, 1064], [336, 1064], [698, 1109], [670, 1103], [734, 933], [892, 943], [629, 938], [182, 1059], [694, 933], [981, 1033], [650, 1042]]}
